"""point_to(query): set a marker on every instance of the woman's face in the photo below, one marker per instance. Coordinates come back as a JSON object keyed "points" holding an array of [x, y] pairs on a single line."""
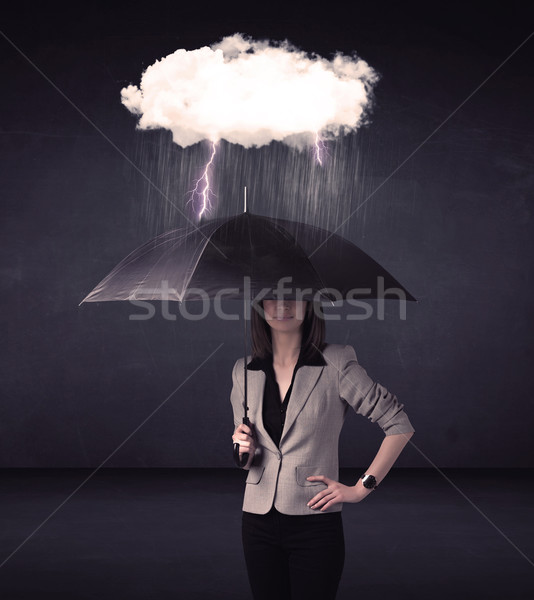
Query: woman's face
{"points": [[284, 315]]}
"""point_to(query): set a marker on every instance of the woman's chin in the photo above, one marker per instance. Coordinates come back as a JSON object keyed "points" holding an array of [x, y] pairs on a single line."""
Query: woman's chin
{"points": [[285, 324]]}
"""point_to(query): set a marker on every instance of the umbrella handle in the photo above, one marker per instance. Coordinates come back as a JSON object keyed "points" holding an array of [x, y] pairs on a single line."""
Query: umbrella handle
{"points": [[240, 459]]}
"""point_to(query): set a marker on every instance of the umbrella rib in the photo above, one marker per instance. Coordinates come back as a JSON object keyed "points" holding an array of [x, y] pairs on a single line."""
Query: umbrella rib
{"points": [[334, 236], [149, 248], [158, 261], [146, 249], [302, 250], [207, 239], [126, 263]]}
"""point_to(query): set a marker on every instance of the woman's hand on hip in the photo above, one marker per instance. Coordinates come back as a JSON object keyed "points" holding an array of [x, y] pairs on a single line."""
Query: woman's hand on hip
{"points": [[335, 493]]}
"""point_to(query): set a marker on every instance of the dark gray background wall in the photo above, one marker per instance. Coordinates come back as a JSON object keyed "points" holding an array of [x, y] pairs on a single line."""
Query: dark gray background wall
{"points": [[453, 224]]}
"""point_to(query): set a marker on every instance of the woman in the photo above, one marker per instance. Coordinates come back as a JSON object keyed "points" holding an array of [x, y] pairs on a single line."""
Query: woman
{"points": [[299, 392]]}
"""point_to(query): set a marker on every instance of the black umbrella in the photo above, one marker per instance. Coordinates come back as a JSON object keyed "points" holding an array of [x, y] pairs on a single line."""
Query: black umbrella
{"points": [[248, 256]]}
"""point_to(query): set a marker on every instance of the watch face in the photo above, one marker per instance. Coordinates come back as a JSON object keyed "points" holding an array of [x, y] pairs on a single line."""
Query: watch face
{"points": [[369, 482]]}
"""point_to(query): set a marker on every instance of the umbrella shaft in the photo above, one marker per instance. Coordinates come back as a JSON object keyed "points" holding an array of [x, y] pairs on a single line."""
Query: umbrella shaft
{"points": [[245, 417]]}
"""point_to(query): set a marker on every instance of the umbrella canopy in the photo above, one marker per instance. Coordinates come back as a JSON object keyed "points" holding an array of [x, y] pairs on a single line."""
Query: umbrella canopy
{"points": [[220, 254]]}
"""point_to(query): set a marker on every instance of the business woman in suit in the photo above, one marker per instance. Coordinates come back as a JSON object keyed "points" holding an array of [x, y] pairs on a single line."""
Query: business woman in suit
{"points": [[299, 392]]}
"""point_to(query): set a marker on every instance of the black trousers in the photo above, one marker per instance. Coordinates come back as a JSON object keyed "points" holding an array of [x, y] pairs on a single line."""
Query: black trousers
{"points": [[292, 557]]}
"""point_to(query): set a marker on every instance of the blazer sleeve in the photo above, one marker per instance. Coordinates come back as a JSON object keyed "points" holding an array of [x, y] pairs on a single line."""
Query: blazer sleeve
{"points": [[237, 396], [370, 399]]}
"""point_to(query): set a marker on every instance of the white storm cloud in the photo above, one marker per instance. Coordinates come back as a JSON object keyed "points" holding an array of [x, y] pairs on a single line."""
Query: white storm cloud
{"points": [[250, 93]]}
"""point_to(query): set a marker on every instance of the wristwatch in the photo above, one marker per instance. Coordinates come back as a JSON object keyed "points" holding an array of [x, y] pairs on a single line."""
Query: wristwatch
{"points": [[369, 481]]}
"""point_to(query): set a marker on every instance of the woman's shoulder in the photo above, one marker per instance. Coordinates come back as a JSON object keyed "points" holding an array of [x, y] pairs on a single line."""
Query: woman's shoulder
{"points": [[339, 353], [239, 362]]}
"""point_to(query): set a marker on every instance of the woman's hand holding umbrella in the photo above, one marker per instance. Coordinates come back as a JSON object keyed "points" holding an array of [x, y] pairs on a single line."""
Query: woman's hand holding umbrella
{"points": [[244, 436]]}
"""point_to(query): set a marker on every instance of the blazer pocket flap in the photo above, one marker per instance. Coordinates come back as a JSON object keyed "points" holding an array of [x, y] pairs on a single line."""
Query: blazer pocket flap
{"points": [[303, 472], [255, 474]]}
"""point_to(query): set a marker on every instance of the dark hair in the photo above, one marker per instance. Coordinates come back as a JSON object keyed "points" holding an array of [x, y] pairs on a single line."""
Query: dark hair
{"points": [[313, 332]]}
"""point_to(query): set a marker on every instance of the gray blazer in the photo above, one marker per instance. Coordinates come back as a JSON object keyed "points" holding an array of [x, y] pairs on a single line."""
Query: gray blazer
{"points": [[318, 405]]}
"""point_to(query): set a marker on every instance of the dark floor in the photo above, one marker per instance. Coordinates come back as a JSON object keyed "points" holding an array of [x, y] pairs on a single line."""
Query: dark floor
{"points": [[175, 533]]}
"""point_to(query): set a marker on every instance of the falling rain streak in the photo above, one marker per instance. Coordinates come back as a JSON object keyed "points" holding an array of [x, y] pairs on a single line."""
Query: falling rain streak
{"points": [[282, 182]]}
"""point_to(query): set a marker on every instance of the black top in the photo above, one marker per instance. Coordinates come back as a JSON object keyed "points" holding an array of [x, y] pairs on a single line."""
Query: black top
{"points": [[274, 412]]}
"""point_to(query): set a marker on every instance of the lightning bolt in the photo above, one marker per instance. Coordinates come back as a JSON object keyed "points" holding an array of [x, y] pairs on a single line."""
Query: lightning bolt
{"points": [[202, 193], [320, 149]]}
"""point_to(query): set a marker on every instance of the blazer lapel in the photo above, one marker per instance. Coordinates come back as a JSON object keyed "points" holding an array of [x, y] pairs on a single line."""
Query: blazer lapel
{"points": [[256, 386], [305, 379]]}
